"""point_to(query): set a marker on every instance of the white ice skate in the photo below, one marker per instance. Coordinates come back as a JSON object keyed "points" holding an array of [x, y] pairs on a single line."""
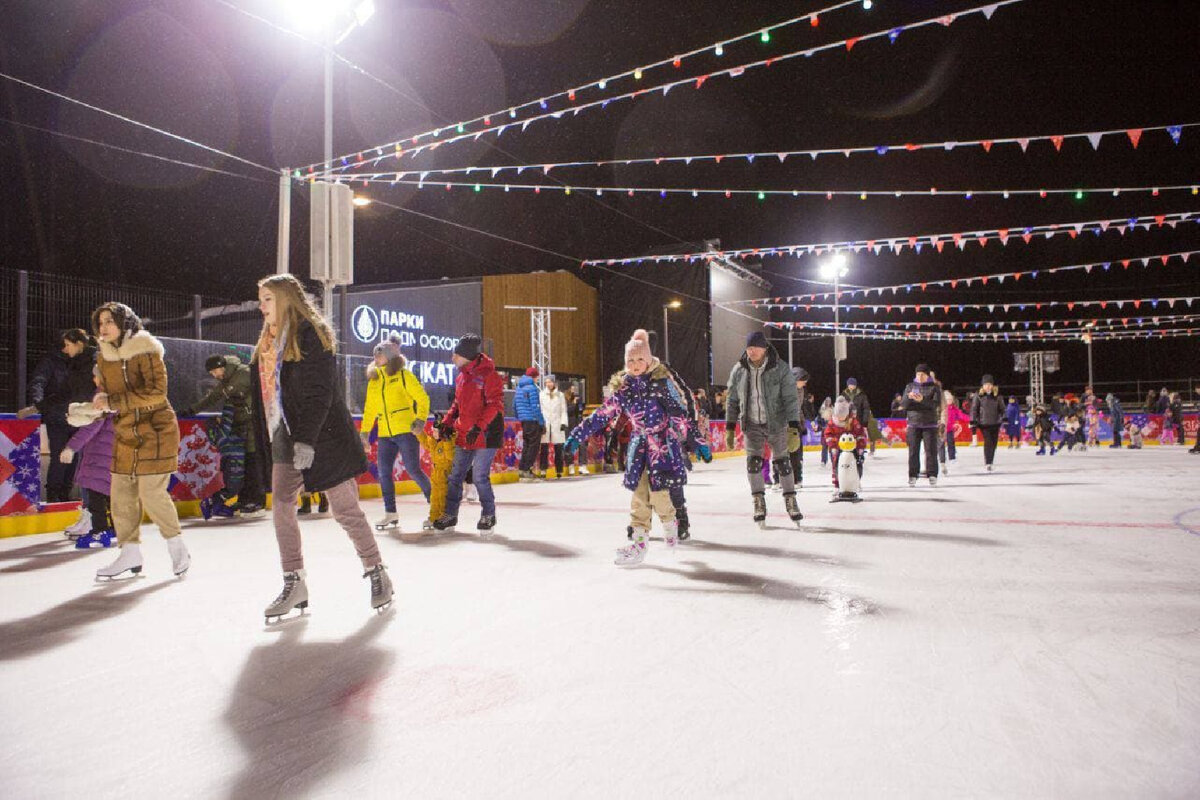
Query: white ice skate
{"points": [[129, 560], [671, 535], [294, 595], [181, 559], [634, 553], [427, 525], [389, 522], [381, 587], [471, 494], [82, 525]]}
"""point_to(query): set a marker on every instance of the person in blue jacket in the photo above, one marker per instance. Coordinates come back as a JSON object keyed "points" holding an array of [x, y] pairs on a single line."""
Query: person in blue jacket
{"points": [[1012, 423], [528, 404]]}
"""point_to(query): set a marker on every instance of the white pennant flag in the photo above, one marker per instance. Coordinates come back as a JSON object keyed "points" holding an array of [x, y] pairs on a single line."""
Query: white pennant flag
{"points": [[1079, 227], [989, 10], [1094, 138], [781, 157], [813, 155], [1024, 144], [1104, 225]]}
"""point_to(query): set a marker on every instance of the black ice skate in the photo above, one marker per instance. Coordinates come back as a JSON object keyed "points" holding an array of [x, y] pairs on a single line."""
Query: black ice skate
{"points": [[760, 509], [793, 508], [487, 524], [685, 527], [445, 523]]}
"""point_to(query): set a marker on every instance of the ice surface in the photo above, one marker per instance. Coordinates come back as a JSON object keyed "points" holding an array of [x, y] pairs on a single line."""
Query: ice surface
{"points": [[1027, 633]]}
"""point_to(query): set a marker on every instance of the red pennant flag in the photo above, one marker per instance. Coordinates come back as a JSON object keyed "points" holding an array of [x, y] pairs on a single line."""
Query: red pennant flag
{"points": [[1027, 237], [987, 146], [1024, 144], [700, 81], [912, 242], [1137, 303], [1164, 260], [1104, 304], [954, 284], [889, 308], [1057, 140], [983, 240], [1003, 235], [1072, 233], [853, 40], [946, 309], [985, 280], [1070, 306], [1017, 275], [718, 158], [1125, 263], [923, 287], [1159, 219], [1135, 135], [958, 239], [939, 244]]}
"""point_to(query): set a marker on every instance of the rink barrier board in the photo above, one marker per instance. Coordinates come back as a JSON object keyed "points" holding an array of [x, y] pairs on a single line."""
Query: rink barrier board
{"points": [[199, 475]]}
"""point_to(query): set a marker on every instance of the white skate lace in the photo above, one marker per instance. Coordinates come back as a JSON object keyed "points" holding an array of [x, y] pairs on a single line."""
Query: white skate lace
{"points": [[376, 581]]}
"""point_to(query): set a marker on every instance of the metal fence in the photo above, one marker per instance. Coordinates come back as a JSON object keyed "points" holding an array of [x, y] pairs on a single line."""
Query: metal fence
{"points": [[37, 306]]}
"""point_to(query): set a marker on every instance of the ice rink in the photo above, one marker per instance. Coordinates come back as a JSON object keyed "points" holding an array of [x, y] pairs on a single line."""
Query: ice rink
{"points": [[1029, 633]]}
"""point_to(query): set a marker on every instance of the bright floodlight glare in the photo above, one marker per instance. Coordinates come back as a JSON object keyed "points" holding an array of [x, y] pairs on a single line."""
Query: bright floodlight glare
{"points": [[675, 304], [315, 15], [839, 261], [361, 201], [364, 11]]}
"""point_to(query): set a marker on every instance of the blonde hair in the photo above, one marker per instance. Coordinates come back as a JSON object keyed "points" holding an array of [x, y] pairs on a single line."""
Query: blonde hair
{"points": [[293, 305]]}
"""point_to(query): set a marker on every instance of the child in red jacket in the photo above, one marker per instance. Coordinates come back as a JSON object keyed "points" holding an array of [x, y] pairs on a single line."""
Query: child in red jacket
{"points": [[841, 422]]}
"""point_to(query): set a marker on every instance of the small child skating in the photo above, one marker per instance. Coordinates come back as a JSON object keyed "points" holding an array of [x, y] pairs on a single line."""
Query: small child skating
{"points": [[1072, 432], [1093, 426], [1041, 427], [1012, 423], [654, 462], [1135, 436], [842, 422], [441, 458], [94, 444]]}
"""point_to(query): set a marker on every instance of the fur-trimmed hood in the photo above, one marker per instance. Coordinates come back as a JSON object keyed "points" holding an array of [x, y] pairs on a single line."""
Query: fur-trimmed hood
{"points": [[140, 343], [656, 372]]}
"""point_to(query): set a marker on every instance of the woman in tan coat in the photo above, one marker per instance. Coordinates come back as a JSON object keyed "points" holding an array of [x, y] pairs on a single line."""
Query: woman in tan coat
{"points": [[133, 386]]}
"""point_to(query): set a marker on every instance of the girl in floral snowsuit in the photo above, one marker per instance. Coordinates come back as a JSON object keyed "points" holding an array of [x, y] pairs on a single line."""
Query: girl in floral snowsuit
{"points": [[655, 461]]}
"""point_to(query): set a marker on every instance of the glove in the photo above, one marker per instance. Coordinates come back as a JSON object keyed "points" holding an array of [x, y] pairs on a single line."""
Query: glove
{"points": [[705, 453], [303, 456], [26, 412], [730, 438], [418, 427], [473, 435], [572, 446], [67, 455], [794, 441]]}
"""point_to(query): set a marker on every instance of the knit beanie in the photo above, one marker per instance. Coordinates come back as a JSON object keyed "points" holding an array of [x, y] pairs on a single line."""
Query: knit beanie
{"points": [[213, 362], [922, 368], [638, 346], [468, 346], [988, 379], [532, 372], [757, 339], [841, 409]]}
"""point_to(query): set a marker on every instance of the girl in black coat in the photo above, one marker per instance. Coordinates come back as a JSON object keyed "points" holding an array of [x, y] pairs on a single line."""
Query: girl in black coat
{"points": [[309, 435]]}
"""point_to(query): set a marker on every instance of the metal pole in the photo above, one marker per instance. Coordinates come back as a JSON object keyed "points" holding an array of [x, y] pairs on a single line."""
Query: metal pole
{"points": [[197, 310], [837, 364], [791, 360], [22, 336], [327, 303], [1091, 378], [284, 233], [666, 337]]}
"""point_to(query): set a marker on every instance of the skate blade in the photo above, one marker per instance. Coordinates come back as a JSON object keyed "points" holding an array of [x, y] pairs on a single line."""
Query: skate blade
{"points": [[384, 607], [134, 572], [301, 607]]}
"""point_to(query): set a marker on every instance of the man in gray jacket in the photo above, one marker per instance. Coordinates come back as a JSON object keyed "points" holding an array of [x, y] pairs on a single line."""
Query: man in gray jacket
{"points": [[762, 397]]}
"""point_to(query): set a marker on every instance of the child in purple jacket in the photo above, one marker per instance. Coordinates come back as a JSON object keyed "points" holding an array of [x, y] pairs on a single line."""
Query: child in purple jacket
{"points": [[94, 443]]}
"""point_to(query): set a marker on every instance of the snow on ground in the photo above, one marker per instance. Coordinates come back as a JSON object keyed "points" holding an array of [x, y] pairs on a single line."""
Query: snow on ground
{"points": [[1028, 633]]}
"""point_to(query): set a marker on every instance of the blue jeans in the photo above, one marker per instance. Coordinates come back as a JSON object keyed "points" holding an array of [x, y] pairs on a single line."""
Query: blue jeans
{"points": [[409, 449], [479, 462]]}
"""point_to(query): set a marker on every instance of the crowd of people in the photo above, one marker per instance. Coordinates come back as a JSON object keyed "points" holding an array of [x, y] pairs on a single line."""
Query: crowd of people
{"points": [[281, 421]]}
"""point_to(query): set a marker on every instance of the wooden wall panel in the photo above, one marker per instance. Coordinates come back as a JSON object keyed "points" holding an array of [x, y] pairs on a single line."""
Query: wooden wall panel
{"points": [[575, 335]]}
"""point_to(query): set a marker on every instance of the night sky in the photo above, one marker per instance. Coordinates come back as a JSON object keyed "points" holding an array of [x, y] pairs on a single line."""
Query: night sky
{"points": [[206, 72]]}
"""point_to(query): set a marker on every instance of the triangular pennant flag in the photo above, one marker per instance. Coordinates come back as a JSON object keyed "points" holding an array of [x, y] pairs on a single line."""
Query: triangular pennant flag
{"points": [[1104, 225], [1125, 263], [1058, 141], [1135, 135], [1121, 229], [939, 244], [1145, 262], [989, 10], [1003, 235], [1094, 138], [987, 146], [781, 156], [983, 240], [1176, 131], [1088, 268], [853, 40], [1159, 219], [1024, 144], [1070, 306]]}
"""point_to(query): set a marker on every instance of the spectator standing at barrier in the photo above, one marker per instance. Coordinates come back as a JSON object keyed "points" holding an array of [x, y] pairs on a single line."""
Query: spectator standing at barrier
{"points": [[302, 421], [133, 385], [1163, 402], [576, 463], [476, 423], [62, 377], [554, 433], [1174, 416], [718, 404], [1116, 417], [397, 408], [762, 397], [231, 433], [987, 414], [527, 403], [922, 405], [897, 406], [1151, 401]]}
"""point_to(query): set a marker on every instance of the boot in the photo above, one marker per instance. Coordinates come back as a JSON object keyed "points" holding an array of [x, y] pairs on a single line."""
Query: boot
{"points": [[635, 553], [130, 560], [760, 509], [684, 525], [323, 504], [486, 524], [305, 504], [445, 523], [793, 508], [181, 559], [294, 595], [381, 587], [82, 525]]}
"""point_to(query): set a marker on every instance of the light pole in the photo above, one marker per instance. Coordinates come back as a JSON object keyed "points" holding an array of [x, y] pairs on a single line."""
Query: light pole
{"points": [[836, 268], [1087, 339], [666, 335]]}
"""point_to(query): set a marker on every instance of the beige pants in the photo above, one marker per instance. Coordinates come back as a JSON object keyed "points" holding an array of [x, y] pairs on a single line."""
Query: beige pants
{"points": [[133, 495], [645, 501]]}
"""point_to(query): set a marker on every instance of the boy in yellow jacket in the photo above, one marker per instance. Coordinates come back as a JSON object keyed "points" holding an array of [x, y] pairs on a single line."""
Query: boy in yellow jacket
{"points": [[441, 456], [398, 405]]}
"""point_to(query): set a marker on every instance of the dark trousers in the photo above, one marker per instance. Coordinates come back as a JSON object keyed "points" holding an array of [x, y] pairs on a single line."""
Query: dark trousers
{"points": [[531, 440], [797, 459], [97, 506], [991, 438], [253, 491], [677, 498], [60, 476], [544, 458], [916, 437]]}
